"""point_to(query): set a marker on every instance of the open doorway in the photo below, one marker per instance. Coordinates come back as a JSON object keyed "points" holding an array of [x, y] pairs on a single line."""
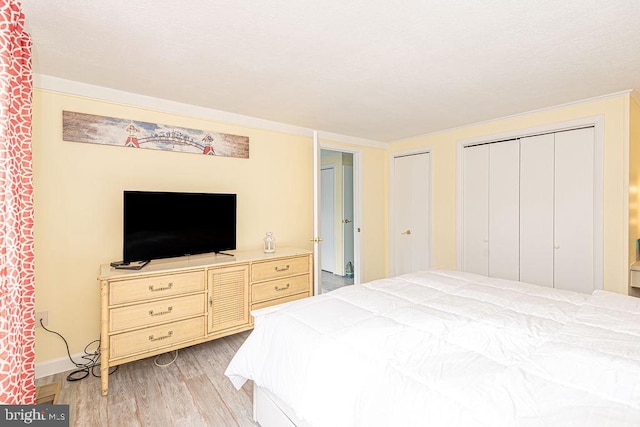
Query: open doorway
{"points": [[337, 220]]}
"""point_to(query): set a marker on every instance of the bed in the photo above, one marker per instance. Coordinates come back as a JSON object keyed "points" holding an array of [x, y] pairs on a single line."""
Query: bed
{"points": [[444, 348]]}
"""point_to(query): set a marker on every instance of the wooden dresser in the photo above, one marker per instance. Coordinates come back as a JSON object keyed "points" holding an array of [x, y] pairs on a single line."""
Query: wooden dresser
{"points": [[179, 302]]}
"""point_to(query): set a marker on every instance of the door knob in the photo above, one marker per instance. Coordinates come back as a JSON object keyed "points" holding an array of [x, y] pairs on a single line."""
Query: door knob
{"points": [[346, 221], [406, 232]]}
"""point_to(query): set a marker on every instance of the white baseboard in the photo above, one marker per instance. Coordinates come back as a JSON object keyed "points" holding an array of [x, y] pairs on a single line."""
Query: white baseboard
{"points": [[55, 366]]}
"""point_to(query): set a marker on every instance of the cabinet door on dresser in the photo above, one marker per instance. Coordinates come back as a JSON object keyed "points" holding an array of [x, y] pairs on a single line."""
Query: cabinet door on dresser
{"points": [[228, 297]]}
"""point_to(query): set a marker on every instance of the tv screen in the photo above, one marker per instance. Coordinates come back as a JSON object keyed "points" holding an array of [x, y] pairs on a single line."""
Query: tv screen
{"points": [[169, 224]]}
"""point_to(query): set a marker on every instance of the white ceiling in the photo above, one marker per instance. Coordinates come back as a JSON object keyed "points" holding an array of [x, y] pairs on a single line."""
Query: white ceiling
{"points": [[374, 69]]}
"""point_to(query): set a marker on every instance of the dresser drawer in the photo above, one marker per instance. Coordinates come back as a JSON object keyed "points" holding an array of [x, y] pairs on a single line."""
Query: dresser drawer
{"points": [[279, 288], [278, 301], [128, 343], [155, 287], [150, 313], [279, 268]]}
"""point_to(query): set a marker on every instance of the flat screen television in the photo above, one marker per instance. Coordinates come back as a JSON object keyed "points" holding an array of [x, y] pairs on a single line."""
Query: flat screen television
{"points": [[171, 224]]}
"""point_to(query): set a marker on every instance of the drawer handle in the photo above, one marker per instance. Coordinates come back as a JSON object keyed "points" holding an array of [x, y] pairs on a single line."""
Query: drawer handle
{"points": [[283, 288], [282, 269], [166, 288], [161, 313], [164, 337]]}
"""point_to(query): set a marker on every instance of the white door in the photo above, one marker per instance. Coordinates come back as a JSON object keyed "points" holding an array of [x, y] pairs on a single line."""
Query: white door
{"points": [[327, 214], [504, 210], [475, 209], [347, 214], [536, 209], [552, 205], [411, 204], [574, 210]]}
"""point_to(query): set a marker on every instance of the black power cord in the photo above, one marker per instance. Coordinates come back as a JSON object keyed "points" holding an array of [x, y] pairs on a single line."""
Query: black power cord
{"points": [[92, 359]]}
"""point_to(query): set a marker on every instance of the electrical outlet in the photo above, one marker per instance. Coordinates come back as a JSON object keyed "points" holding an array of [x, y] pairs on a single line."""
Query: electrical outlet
{"points": [[44, 316]]}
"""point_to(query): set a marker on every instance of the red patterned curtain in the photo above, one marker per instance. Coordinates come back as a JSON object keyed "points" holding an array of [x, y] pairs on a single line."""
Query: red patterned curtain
{"points": [[17, 300]]}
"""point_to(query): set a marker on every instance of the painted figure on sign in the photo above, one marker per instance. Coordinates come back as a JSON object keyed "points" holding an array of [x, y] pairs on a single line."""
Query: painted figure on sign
{"points": [[132, 140], [208, 148]]}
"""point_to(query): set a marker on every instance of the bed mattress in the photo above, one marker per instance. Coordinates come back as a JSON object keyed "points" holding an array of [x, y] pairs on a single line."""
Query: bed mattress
{"points": [[445, 348]]}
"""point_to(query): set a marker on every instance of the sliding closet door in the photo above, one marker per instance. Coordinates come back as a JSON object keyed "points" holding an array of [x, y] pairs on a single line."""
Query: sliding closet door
{"points": [[475, 209], [536, 209], [504, 210], [574, 210]]}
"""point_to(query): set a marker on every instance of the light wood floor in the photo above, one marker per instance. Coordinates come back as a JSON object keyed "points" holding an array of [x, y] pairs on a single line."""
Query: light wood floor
{"points": [[192, 391]]}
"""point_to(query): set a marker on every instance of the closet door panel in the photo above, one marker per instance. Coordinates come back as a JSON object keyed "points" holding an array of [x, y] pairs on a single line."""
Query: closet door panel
{"points": [[537, 209], [574, 210], [504, 225], [475, 209]]}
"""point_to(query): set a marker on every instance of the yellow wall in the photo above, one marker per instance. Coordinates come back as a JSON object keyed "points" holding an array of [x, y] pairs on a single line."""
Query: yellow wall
{"points": [[375, 250], [78, 202], [444, 145]]}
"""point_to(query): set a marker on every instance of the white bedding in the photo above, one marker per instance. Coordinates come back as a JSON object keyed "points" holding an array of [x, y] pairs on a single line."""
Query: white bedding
{"points": [[448, 348]]}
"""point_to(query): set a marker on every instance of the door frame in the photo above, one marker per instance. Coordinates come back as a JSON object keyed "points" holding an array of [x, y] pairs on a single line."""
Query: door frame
{"points": [[344, 258], [316, 239], [392, 231], [358, 228], [598, 212]]}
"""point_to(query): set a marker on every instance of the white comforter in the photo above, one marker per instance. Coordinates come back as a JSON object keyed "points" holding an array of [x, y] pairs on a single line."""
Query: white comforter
{"points": [[448, 348]]}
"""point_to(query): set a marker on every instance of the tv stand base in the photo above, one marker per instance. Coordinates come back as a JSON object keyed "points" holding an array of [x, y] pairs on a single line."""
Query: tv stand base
{"points": [[224, 253]]}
